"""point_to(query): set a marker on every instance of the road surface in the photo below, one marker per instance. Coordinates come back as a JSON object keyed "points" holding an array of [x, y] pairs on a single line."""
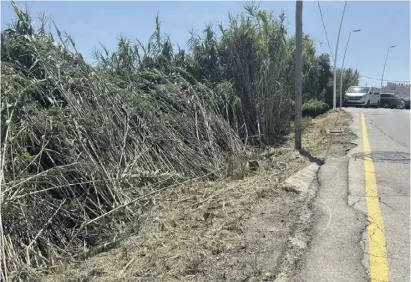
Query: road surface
{"points": [[362, 208]]}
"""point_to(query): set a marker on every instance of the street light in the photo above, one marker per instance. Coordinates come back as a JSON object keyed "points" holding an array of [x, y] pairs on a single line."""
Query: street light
{"points": [[342, 66], [386, 57], [335, 60]]}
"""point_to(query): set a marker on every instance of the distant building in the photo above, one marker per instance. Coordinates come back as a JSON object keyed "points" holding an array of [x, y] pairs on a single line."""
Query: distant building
{"points": [[400, 89]]}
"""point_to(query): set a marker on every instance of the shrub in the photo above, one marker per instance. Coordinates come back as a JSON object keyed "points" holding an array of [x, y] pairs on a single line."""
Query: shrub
{"points": [[313, 108]]}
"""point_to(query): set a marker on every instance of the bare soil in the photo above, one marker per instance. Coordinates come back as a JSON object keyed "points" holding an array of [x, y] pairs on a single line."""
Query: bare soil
{"points": [[225, 230]]}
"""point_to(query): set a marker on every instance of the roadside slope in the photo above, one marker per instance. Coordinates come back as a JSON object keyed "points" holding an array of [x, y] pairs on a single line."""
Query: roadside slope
{"points": [[231, 230]]}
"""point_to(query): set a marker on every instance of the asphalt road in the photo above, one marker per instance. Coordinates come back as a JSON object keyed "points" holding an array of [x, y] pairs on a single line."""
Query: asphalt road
{"points": [[362, 209], [389, 137]]}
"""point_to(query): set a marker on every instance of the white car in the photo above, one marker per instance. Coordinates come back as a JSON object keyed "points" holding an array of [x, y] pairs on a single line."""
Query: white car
{"points": [[363, 96]]}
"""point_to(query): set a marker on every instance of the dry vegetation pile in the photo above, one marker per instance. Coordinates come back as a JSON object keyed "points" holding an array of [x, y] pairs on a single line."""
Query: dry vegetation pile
{"points": [[77, 143], [199, 231], [232, 230]]}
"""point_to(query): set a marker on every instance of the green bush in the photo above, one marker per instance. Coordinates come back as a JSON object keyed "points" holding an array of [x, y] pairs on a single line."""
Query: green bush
{"points": [[313, 108]]}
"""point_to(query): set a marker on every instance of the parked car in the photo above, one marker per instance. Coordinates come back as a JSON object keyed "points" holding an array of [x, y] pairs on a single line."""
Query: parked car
{"points": [[401, 105], [362, 96], [406, 102], [389, 100]]}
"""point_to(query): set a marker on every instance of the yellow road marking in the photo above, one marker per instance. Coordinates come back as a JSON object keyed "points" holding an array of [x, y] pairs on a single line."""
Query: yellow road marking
{"points": [[379, 270]]}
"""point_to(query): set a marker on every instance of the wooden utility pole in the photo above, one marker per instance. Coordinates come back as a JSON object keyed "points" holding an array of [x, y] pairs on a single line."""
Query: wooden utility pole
{"points": [[298, 72]]}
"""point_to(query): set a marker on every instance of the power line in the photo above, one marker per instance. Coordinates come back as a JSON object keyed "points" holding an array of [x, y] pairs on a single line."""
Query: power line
{"points": [[326, 35], [387, 80]]}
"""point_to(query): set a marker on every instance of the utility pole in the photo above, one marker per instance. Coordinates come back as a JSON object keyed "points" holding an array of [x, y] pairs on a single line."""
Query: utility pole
{"points": [[298, 72], [335, 61]]}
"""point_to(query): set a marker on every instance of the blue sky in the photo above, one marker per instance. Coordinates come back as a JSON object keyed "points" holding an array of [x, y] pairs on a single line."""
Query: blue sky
{"points": [[382, 24]]}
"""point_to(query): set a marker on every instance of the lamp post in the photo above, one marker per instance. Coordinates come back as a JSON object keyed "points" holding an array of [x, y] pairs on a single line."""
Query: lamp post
{"points": [[386, 57], [335, 61], [342, 66]]}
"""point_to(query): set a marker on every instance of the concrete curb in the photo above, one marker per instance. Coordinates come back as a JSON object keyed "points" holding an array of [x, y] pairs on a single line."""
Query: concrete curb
{"points": [[301, 181]]}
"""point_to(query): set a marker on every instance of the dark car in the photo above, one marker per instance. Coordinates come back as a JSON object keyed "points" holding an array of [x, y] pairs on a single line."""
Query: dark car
{"points": [[406, 102], [388, 100]]}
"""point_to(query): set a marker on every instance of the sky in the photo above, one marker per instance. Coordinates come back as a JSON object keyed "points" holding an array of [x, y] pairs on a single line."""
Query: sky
{"points": [[382, 24]]}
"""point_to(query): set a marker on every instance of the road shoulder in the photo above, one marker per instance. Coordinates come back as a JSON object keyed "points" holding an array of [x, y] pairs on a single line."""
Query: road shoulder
{"points": [[335, 251]]}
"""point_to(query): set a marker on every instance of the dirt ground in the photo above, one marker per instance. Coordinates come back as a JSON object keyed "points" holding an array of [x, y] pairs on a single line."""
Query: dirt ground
{"points": [[226, 230]]}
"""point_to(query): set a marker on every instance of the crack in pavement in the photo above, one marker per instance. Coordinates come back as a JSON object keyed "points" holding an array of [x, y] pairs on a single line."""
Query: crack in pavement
{"points": [[403, 144], [390, 257], [354, 203], [393, 209], [382, 193]]}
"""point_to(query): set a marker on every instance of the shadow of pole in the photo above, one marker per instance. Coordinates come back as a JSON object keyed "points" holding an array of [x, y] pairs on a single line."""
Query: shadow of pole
{"points": [[311, 158]]}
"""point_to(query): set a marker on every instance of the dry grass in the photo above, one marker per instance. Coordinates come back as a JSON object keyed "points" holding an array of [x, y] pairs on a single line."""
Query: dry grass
{"points": [[182, 230], [191, 229], [318, 141]]}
